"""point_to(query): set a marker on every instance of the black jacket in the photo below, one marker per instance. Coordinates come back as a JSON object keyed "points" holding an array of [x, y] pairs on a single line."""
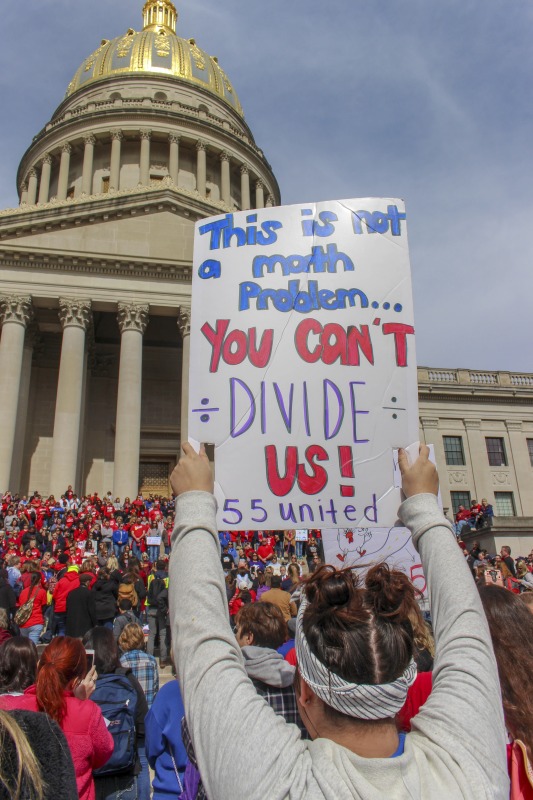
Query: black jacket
{"points": [[8, 598], [49, 745], [106, 593], [81, 612]]}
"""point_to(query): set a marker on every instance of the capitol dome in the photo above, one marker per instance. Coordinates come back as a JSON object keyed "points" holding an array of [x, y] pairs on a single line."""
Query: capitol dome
{"points": [[155, 51]]}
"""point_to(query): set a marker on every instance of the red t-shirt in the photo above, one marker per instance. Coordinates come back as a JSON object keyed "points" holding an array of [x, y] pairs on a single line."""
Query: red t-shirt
{"points": [[36, 617], [264, 551]]}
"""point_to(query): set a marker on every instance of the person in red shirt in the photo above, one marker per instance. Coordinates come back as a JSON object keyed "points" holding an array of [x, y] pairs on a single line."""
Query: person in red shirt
{"points": [[33, 627], [65, 585], [265, 551]]}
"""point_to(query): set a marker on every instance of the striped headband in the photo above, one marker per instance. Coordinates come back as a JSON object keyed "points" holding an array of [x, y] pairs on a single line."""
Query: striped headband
{"points": [[359, 700]]}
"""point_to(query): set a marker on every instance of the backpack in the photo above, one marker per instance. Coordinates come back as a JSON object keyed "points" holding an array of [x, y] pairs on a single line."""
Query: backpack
{"points": [[157, 586], [25, 611], [118, 702]]}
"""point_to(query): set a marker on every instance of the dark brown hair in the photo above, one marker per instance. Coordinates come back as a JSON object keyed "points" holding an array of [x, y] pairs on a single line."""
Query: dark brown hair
{"points": [[359, 627], [18, 664], [265, 622], [511, 630]]}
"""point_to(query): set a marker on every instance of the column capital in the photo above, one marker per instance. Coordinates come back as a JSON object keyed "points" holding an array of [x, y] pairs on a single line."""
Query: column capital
{"points": [[200, 145], [46, 159], [184, 321], [270, 201], [259, 184], [473, 424], [224, 156], [513, 425], [16, 308], [32, 173], [145, 133], [89, 138], [244, 169], [116, 134], [66, 148], [24, 186], [174, 138], [429, 422], [74, 312], [132, 317]]}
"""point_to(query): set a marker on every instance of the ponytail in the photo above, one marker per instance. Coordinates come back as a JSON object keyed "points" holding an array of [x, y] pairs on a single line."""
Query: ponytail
{"points": [[62, 664]]}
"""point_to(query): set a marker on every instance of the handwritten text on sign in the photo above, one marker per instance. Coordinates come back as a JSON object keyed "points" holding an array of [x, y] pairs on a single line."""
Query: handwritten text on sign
{"points": [[303, 370]]}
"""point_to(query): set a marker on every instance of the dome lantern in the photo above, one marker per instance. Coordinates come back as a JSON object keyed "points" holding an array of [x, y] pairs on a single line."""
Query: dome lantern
{"points": [[159, 14]]}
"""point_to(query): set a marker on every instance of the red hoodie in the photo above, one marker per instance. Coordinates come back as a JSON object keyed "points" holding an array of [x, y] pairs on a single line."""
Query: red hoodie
{"points": [[69, 582]]}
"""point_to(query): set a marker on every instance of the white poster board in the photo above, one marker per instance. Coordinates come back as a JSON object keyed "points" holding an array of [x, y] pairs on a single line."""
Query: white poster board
{"points": [[302, 366], [153, 541]]}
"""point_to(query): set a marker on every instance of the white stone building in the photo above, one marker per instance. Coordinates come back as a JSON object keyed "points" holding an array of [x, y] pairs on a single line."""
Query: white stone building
{"points": [[95, 263]]}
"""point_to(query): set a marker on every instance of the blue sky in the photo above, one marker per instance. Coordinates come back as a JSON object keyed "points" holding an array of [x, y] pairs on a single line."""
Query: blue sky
{"points": [[422, 100]]}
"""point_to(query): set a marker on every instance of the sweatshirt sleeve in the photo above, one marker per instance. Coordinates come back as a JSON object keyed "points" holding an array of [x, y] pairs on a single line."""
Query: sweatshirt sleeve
{"points": [[225, 715], [463, 714]]}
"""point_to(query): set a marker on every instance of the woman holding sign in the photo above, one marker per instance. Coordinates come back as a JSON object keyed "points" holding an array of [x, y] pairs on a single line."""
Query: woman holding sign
{"points": [[354, 646]]}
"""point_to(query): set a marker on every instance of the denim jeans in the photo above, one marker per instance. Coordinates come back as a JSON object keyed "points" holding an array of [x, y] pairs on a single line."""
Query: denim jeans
{"points": [[33, 633], [153, 552], [60, 621], [143, 779], [299, 549], [137, 552]]}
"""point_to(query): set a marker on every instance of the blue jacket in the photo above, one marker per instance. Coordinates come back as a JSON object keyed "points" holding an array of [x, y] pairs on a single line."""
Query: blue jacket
{"points": [[162, 737], [120, 536]]}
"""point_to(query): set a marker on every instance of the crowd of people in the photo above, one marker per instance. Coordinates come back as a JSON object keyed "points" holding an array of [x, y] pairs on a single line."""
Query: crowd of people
{"points": [[478, 516], [329, 684]]}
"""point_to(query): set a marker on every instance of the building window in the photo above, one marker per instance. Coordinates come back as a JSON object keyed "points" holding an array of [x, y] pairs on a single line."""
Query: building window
{"points": [[453, 450], [504, 504], [105, 185], [496, 451], [70, 193], [460, 499], [530, 448]]}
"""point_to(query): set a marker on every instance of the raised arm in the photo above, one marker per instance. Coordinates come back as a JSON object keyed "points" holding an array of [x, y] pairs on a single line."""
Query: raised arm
{"points": [[463, 713], [223, 711]]}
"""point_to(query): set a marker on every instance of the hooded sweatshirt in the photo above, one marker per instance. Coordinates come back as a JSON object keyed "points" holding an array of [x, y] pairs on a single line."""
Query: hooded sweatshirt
{"points": [[66, 584], [443, 758], [267, 666]]}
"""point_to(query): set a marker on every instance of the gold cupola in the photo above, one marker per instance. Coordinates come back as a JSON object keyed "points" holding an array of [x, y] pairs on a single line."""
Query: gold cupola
{"points": [[160, 14], [156, 51]]}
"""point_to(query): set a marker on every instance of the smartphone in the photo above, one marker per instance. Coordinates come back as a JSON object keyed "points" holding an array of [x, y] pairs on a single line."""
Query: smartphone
{"points": [[90, 659]]}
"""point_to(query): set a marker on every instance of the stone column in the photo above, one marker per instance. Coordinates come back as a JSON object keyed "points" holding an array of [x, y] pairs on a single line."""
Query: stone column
{"points": [[259, 194], [184, 324], [75, 316], [46, 170], [245, 188], [479, 460], [15, 313], [132, 321], [173, 157], [30, 342], [88, 160], [145, 157], [114, 176], [64, 168], [32, 186], [519, 459], [270, 201], [201, 168], [225, 178]]}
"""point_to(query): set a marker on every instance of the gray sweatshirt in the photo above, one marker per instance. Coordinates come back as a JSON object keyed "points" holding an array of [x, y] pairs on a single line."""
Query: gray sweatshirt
{"points": [[457, 745]]}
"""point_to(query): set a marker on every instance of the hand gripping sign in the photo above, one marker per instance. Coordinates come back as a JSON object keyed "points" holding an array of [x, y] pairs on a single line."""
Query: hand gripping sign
{"points": [[303, 368]]}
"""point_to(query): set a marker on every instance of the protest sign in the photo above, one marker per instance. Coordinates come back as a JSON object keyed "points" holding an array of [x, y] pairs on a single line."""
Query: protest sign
{"points": [[154, 541], [302, 367]]}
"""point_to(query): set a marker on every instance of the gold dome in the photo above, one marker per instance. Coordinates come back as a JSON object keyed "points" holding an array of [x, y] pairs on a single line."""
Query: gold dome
{"points": [[156, 50]]}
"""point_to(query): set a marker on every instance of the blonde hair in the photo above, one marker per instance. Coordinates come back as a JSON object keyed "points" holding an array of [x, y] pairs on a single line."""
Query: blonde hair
{"points": [[131, 638], [421, 633], [112, 563], [28, 784]]}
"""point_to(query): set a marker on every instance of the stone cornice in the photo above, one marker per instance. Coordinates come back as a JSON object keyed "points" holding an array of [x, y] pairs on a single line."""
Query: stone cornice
{"points": [[518, 396], [95, 265], [102, 207]]}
